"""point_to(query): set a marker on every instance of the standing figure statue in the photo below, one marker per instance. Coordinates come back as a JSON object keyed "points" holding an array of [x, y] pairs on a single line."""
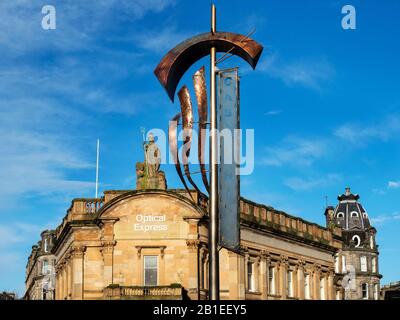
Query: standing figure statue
{"points": [[148, 173], [153, 157]]}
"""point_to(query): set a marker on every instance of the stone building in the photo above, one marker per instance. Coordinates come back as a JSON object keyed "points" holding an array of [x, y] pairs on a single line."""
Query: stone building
{"points": [[40, 269], [358, 258], [151, 243], [391, 291]]}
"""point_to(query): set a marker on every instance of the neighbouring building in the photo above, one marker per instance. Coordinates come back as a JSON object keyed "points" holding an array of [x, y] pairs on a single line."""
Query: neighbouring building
{"points": [[358, 258], [391, 291], [7, 295], [151, 243], [40, 269]]}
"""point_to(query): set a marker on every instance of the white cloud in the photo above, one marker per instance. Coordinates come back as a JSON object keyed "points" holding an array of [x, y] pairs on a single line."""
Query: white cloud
{"points": [[393, 184], [310, 74], [382, 219], [359, 134], [273, 112], [295, 151], [161, 41], [302, 184]]}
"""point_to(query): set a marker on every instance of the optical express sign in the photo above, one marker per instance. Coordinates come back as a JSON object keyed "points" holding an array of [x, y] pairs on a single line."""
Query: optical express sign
{"points": [[148, 223]]}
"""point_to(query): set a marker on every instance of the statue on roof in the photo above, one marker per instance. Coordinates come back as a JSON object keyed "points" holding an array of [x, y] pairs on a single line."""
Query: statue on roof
{"points": [[148, 173]]}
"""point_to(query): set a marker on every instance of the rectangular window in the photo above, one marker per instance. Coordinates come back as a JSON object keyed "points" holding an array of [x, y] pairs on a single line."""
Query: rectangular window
{"points": [[307, 286], [364, 289], [150, 270], [322, 288], [373, 263], [250, 277], [271, 280], [45, 268], [45, 246], [343, 264], [289, 276], [363, 262], [376, 291]]}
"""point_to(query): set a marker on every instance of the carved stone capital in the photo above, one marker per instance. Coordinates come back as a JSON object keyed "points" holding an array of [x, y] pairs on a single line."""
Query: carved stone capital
{"points": [[107, 247], [77, 252], [193, 244]]}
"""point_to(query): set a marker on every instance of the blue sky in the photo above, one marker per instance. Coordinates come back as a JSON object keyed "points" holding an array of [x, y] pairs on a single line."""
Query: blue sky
{"points": [[324, 103]]}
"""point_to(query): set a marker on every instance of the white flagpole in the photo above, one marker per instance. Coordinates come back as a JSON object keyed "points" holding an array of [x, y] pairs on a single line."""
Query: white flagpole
{"points": [[97, 166]]}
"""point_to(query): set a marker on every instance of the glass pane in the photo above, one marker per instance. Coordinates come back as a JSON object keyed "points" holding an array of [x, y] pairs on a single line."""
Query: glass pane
{"points": [[150, 262], [150, 277]]}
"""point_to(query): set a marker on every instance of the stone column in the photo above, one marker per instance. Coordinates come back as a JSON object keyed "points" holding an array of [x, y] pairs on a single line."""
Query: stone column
{"points": [[300, 280], [107, 251], [265, 262], [283, 266], [193, 269], [77, 255], [331, 286]]}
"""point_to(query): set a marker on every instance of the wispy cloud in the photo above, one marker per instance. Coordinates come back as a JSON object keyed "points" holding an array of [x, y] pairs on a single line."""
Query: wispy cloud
{"points": [[305, 184], [361, 134], [307, 73], [393, 184], [273, 112], [295, 151], [161, 41], [382, 219]]}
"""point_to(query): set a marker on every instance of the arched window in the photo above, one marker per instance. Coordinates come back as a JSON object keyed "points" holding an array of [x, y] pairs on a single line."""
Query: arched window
{"points": [[357, 240], [340, 215], [354, 214]]}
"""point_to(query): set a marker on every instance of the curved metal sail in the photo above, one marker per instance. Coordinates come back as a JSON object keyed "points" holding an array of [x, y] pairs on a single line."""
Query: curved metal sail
{"points": [[173, 145], [200, 89], [187, 123]]}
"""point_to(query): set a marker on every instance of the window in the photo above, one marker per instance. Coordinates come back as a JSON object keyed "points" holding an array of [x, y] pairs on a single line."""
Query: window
{"points": [[150, 270], [363, 262], [289, 291], [376, 291], [373, 264], [45, 267], [357, 240], [354, 214], [340, 215], [271, 280], [250, 277], [343, 264], [364, 290], [322, 288], [307, 286], [46, 249]]}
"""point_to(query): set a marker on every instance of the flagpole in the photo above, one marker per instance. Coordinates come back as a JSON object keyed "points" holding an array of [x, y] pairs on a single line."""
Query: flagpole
{"points": [[213, 201], [97, 166]]}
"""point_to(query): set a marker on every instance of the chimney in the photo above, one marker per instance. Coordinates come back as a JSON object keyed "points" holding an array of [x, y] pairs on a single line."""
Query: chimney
{"points": [[329, 211]]}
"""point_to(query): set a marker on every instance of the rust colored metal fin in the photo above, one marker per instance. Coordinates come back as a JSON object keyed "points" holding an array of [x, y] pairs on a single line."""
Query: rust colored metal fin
{"points": [[187, 122], [173, 145], [199, 82], [175, 63]]}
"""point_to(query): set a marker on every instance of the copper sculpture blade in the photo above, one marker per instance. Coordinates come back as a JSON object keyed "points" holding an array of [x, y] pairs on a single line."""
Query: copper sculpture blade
{"points": [[187, 123], [173, 145], [175, 63], [200, 89]]}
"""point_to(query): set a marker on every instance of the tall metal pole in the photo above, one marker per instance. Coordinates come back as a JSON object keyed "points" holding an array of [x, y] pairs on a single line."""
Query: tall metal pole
{"points": [[213, 201], [97, 166]]}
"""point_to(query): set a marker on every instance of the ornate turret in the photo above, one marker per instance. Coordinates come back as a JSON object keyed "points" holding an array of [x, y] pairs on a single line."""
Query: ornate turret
{"points": [[359, 256]]}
